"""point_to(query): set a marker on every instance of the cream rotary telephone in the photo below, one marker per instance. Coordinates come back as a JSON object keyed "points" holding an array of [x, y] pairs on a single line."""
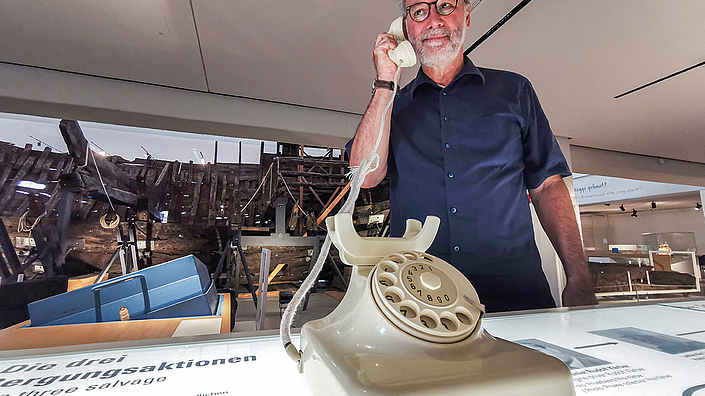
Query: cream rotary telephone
{"points": [[411, 324]]}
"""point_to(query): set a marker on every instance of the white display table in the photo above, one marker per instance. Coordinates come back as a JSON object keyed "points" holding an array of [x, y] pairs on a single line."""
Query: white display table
{"points": [[654, 349]]}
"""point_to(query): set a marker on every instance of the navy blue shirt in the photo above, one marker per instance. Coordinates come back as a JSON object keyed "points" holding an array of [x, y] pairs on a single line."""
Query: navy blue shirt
{"points": [[467, 153]]}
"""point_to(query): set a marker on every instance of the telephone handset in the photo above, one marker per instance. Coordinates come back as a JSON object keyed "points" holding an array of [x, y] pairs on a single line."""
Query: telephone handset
{"points": [[403, 55]]}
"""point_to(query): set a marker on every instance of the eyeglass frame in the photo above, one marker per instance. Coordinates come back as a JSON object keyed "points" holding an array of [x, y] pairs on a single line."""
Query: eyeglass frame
{"points": [[428, 4]]}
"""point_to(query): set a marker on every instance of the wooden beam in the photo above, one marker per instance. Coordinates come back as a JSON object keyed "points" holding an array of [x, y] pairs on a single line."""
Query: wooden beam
{"points": [[314, 192], [317, 174], [275, 272], [332, 196], [332, 204]]}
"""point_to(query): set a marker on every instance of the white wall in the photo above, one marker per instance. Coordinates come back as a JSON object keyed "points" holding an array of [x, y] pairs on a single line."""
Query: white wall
{"points": [[594, 161]]}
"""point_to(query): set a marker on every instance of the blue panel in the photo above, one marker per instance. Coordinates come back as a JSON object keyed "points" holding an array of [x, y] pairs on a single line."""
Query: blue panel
{"points": [[177, 288]]}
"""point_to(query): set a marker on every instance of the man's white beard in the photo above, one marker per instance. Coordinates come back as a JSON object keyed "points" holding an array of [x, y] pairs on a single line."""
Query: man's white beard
{"points": [[438, 56]]}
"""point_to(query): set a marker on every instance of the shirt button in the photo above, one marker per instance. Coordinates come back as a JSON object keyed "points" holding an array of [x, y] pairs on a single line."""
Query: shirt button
{"points": [[447, 145], [453, 210], [451, 175], [444, 93], [445, 118], [456, 248]]}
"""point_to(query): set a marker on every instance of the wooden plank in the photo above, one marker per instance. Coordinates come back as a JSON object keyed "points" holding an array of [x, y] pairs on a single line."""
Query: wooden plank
{"points": [[183, 187], [310, 161], [23, 156], [195, 197], [45, 169], [7, 169], [175, 196], [39, 165], [144, 170], [221, 203], [211, 199], [235, 207], [9, 191], [175, 170], [162, 174]]}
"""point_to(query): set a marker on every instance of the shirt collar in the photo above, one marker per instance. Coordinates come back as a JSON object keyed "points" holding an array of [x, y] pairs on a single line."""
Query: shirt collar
{"points": [[469, 68]]}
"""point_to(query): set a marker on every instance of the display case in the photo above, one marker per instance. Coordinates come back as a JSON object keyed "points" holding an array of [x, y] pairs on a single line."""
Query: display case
{"points": [[679, 241], [645, 273]]}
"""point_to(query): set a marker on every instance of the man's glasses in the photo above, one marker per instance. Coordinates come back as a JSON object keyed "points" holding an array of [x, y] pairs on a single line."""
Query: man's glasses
{"points": [[419, 11]]}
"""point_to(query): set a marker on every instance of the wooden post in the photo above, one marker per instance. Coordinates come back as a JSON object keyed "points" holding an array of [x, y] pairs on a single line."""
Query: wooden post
{"points": [[301, 188]]}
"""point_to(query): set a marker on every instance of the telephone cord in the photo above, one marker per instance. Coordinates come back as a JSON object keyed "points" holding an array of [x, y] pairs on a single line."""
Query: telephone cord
{"points": [[358, 177]]}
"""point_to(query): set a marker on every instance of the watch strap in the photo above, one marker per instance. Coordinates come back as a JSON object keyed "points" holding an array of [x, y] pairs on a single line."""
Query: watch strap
{"points": [[383, 84]]}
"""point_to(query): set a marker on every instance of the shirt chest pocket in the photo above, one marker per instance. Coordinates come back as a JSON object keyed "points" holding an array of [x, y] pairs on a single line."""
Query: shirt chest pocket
{"points": [[491, 136]]}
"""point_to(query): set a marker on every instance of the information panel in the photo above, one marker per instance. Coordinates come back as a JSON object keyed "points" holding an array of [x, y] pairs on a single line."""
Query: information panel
{"points": [[230, 367], [635, 350]]}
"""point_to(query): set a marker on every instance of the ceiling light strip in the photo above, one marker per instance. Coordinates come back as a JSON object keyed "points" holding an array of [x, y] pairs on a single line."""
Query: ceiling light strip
{"points": [[498, 25], [660, 79], [200, 47]]}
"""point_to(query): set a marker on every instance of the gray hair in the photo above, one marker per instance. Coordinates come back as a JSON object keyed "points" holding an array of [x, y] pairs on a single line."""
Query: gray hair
{"points": [[471, 3]]}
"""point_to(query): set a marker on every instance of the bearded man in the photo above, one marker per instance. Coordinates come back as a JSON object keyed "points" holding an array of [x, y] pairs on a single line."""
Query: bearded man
{"points": [[465, 143]]}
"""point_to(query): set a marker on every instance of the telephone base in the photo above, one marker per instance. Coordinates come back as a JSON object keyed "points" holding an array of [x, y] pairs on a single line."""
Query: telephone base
{"points": [[488, 366], [356, 351]]}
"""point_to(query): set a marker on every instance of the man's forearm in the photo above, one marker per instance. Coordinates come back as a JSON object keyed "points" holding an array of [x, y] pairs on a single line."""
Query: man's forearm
{"points": [[555, 211], [367, 134]]}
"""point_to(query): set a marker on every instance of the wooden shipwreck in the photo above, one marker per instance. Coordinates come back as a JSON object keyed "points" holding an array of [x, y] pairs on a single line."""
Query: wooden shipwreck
{"points": [[202, 205]]}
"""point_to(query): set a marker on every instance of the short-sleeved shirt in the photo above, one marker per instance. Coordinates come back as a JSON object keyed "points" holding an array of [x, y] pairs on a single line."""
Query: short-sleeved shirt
{"points": [[467, 153]]}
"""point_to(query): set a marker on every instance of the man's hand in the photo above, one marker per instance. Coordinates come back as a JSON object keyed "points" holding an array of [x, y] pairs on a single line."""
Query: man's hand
{"points": [[579, 293], [386, 69]]}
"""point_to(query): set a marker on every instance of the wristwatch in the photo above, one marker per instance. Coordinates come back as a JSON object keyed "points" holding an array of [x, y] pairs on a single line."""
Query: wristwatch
{"points": [[383, 85]]}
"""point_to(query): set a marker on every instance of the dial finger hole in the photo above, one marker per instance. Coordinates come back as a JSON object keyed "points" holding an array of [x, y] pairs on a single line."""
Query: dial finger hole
{"points": [[428, 321], [449, 324], [392, 296], [408, 311], [427, 258], [411, 255], [386, 279], [464, 317], [397, 258], [388, 266]]}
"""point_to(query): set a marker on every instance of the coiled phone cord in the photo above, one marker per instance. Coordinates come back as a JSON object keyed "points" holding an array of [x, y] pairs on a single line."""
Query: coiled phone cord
{"points": [[358, 177]]}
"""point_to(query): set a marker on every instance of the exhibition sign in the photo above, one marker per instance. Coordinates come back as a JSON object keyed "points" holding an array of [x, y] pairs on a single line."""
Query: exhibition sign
{"points": [[591, 189]]}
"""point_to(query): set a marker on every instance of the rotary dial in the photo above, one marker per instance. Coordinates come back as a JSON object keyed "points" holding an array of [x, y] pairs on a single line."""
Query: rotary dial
{"points": [[425, 297]]}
